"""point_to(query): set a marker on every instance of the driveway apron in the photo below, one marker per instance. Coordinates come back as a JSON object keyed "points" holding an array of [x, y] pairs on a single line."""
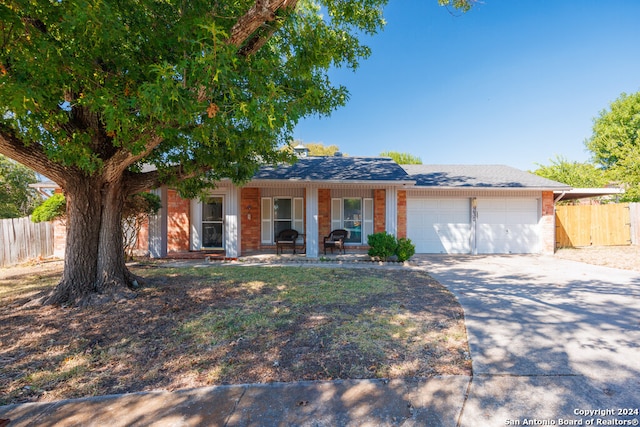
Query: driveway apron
{"points": [[550, 339]]}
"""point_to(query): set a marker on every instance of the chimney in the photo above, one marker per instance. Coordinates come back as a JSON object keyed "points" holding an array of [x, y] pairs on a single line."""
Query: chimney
{"points": [[301, 151]]}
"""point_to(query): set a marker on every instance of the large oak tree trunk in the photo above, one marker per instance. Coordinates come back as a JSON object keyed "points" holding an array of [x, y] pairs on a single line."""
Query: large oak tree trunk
{"points": [[94, 264], [113, 277], [81, 251]]}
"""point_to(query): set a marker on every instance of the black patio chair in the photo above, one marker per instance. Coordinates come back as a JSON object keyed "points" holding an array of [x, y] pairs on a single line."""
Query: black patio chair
{"points": [[286, 238], [336, 240]]}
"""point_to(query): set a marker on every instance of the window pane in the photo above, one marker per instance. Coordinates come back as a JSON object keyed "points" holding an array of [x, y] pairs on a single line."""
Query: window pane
{"points": [[282, 208], [353, 219], [352, 208], [279, 226], [212, 235], [212, 209], [355, 231]]}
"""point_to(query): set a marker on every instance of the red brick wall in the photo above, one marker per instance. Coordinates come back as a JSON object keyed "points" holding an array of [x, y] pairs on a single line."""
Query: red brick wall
{"points": [[250, 234], [143, 237], [379, 211], [324, 214], [402, 213], [548, 223], [177, 222]]}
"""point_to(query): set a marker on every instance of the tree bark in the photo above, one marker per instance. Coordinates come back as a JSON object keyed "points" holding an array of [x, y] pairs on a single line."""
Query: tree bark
{"points": [[81, 250], [94, 265], [113, 277], [246, 28]]}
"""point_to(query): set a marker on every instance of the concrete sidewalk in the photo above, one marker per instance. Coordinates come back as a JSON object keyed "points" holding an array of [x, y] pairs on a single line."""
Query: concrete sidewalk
{"points": [[553, 342], [428, 402]]}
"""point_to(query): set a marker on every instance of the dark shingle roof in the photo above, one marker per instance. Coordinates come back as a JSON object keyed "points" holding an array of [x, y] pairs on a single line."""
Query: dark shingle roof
{"points": [[339, 169], [383, 169], [483, 176]]}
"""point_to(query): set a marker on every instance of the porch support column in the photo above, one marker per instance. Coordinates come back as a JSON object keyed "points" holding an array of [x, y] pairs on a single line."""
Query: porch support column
{"points": [[232, 223], [392, 210], [311, 231], [158, 227], [196, 222], [474, 226]]}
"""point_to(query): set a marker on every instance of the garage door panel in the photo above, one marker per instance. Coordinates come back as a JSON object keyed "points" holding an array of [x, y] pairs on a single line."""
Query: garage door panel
{"points": [[454, 238], [508, 226], [439, 225]]}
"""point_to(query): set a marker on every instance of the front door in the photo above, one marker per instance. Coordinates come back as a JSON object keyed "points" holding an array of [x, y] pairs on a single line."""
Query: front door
{"points": [[212, 223]]}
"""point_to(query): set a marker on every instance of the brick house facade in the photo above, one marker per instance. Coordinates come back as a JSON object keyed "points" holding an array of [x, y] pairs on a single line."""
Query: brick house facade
{"points": [[381, 199], [363, 195]]}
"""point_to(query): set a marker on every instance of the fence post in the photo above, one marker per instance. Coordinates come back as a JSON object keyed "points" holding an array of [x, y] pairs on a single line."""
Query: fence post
{"points": [[634, 219]]}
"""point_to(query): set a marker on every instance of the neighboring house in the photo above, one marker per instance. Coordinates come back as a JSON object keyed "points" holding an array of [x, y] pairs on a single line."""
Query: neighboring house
{"points": [[442, 209]]}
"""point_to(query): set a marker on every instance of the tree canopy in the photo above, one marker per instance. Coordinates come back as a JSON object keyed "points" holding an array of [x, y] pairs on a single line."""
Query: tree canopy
{"points": [[575, 174], [108, 99], [615, 143], [402, 158], [17, 199]]}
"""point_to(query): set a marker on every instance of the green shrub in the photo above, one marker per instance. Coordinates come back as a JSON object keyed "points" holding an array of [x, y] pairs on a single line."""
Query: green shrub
{"points": [[405, 249], [381, 245], [52, 208], [384, 246]]}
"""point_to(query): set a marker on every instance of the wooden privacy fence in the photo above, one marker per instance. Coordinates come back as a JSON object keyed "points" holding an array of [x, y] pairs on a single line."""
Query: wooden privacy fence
{"points": [[595, 225], [21, 240]]}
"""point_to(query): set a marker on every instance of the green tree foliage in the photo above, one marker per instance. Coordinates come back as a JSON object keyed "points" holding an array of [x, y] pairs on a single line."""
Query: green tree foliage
{"points": [[615, 143], [52, 208], [575, 174], [91, 91], [402, 158], [317, 149], [17, 199]]}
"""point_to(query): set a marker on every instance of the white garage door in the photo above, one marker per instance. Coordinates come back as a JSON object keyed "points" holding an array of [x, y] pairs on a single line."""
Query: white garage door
{"points": [[439, 225], [508, 226]]}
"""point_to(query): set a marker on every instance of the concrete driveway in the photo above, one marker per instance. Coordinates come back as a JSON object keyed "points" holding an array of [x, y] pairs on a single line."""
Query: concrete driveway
{"points": [[550, 339]]}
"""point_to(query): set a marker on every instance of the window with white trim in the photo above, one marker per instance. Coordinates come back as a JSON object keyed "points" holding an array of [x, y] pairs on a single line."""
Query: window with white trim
{"points": [[355, 215], [281, 213]]}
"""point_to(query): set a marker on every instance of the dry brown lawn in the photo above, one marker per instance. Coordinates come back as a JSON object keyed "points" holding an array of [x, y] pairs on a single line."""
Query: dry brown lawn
{"points": [[622, 257], [192, 327]]}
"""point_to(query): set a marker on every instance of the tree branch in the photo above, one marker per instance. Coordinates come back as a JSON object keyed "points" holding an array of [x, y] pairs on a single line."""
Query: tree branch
{"points": [[138, 182], [258, 40], [32, 156], [117, 164], [261, 12]]}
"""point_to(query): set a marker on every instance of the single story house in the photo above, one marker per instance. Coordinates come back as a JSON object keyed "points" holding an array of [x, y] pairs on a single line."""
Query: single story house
{"points": [[456, 209]]}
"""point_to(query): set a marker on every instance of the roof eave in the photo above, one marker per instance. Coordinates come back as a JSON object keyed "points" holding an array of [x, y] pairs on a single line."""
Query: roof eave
{"points": [[490, 187], [334, 181], [585, 193]]}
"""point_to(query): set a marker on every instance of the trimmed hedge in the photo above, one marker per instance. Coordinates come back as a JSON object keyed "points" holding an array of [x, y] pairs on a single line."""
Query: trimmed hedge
{"points": [[384, 246]]}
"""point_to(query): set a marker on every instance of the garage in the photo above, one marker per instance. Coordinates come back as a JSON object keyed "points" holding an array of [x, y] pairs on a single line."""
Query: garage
{"points": [[502, 226], [439, 225], [480, 209], [508, 226]]}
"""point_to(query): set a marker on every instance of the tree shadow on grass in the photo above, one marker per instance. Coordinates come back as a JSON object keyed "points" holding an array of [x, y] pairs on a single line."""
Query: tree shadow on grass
{"points": [[142, 344]]}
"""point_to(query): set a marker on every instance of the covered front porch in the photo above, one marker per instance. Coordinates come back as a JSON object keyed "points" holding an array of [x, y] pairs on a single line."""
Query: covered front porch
{"points": [[233, 222]]}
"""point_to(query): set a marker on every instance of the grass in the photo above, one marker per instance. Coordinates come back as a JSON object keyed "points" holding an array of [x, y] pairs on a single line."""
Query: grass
{"points": [[193, 327]]}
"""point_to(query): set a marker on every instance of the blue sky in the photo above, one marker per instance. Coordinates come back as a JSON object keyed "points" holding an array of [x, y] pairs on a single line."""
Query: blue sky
{"points": [[515, 82]]}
